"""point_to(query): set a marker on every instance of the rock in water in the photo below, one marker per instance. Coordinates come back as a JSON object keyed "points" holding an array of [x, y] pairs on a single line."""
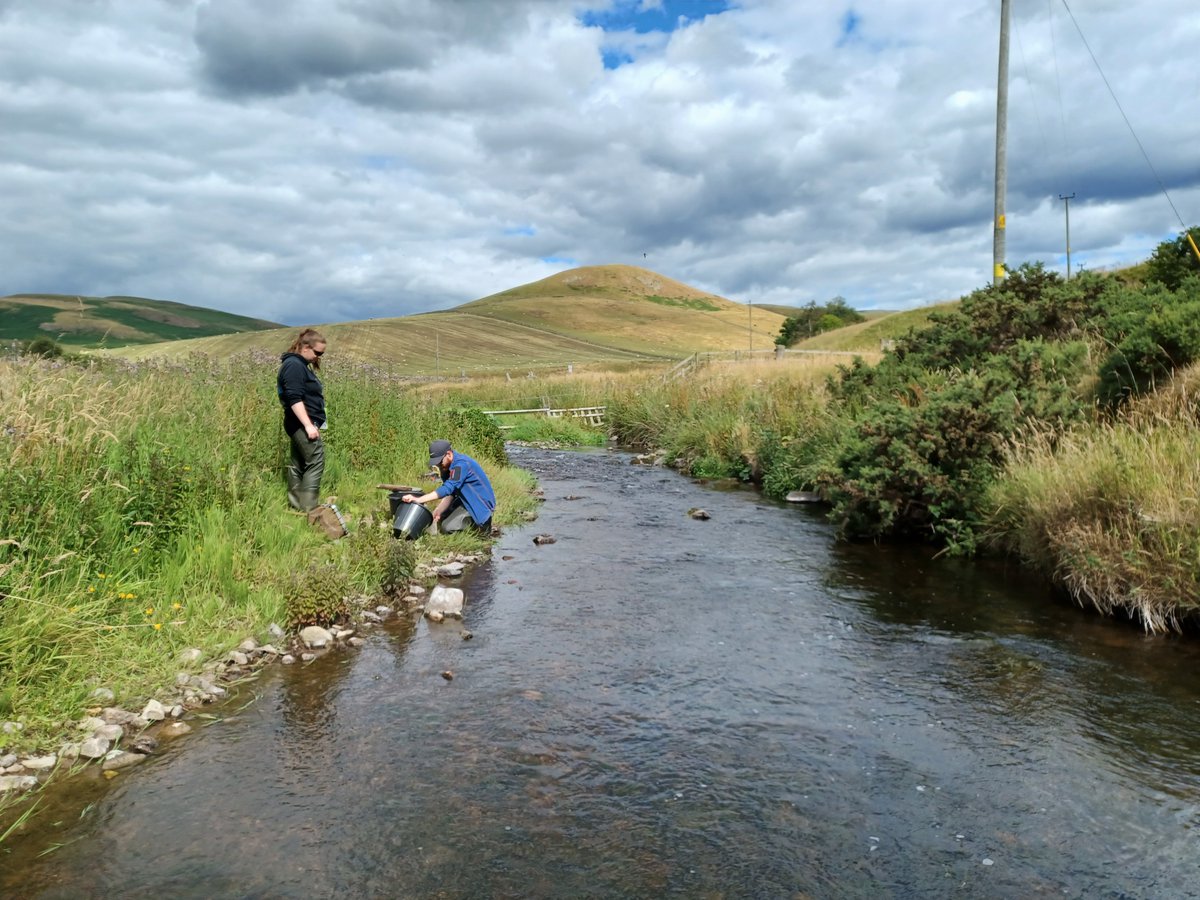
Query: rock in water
{"points": [[803, 497], [540, 539], [697, 513]]}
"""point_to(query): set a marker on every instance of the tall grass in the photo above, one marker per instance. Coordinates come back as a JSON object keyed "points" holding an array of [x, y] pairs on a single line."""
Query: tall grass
{"points": [[142, 512], [1112, 510]]}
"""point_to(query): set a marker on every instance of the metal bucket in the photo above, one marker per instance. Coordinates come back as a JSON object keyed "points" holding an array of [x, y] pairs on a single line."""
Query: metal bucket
{"points": [[411, 520], [396, 499]]}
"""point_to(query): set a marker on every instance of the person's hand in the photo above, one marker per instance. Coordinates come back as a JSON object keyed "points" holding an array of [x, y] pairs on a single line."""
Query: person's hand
{"points": [[409, 498], [312, 431]]}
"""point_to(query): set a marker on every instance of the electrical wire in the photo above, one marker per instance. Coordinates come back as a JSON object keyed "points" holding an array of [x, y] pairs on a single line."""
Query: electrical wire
{"points": [[1128, 124]]}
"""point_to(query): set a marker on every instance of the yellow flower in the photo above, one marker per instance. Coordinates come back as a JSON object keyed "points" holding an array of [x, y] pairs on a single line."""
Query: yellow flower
{"points": [[73, 608], [158, 626], [137, 549], [176, 606], [91, 589], [187, 468], [150, 610], [101, 575]]}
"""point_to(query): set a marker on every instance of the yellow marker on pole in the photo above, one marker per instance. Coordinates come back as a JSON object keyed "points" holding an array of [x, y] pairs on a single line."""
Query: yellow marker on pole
{"points": [[1193, 243]]}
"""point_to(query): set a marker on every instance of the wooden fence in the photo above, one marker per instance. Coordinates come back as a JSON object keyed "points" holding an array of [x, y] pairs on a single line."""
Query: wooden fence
{"points": [[593, 415]]}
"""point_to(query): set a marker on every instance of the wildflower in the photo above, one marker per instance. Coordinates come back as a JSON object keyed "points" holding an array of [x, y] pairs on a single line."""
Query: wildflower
{"points": [[101, 575], [176, 606], [149, 610], [158, 626], [91, 589], [73, 608], [137, 549]]}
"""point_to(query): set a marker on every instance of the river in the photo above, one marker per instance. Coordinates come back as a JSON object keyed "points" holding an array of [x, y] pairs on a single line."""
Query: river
{"points": [[656, 705]]}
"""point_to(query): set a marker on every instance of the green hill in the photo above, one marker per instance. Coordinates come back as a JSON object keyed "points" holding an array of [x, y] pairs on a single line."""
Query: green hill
{"points": [[90, 322], [599, 314]]}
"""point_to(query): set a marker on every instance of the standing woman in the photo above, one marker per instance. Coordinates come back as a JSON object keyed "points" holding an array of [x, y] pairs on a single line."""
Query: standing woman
{"points": [[303, 400]]}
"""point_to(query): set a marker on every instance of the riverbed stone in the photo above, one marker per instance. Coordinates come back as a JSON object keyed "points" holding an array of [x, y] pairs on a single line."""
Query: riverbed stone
{"points": [[314, 636], [40, 763], [446, 600], [450, 570], [8, 759], [275, 631], [238, 658], [344, 634], [174, 729], [11, 727], [249, 645], [356, 642], [120, 759], [103, 695], [177, 711], [288, 659], [109, 732], [268, 650], [371, 617], [15, 783], [540, 539], [191, 655], [154, 711], [94, 747], [435, 615], [307, 657], [114, 715], [416, 590], [90, 723]]}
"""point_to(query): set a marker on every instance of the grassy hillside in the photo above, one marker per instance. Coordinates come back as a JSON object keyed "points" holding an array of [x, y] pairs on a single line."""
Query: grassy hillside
{"points": [[88, 322], [869, 335], [632, 308], [611, 315]]}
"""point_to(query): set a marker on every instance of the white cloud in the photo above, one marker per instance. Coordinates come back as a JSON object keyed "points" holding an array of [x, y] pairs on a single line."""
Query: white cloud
{"points": [[339, 160]]}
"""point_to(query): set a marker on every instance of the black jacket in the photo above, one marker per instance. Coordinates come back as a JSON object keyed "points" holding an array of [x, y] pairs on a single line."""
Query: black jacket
{"points": [[298, 382]]}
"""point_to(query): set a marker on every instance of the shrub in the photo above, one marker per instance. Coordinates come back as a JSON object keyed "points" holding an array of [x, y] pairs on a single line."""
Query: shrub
{"points": [[317, 595]]}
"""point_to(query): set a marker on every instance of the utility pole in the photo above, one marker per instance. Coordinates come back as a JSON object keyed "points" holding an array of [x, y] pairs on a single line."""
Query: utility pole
{"points": [[1066, 199], [998, 232]]}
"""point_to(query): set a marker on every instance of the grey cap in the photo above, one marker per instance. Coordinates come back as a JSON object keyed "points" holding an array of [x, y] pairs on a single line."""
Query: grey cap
{"points": [[437, 449]]}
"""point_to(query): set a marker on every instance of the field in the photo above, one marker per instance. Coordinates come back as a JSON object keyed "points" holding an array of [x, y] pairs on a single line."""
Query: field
{"points": [[79, 322]]}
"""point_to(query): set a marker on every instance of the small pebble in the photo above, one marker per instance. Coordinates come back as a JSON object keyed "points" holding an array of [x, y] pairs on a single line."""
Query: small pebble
{"points": [[448, 675]]}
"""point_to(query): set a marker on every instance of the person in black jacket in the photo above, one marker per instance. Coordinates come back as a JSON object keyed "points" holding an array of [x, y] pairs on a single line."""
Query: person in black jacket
{"points": [[303, 400]]}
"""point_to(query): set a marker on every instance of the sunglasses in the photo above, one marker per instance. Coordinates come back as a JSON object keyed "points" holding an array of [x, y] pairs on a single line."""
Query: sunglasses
{"points": [[318, 353]]}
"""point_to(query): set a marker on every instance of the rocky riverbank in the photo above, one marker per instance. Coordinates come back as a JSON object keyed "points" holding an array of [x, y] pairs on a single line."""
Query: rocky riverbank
{"points": [[110, 738]]}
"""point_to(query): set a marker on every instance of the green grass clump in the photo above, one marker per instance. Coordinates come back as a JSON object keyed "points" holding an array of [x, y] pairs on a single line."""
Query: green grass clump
{"points": [[563, 431]]}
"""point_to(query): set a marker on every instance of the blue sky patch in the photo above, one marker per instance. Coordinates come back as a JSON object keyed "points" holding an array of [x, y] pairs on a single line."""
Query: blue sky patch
{"points": [[632, 15], [559, 261], [521, 230], [850, 22]]}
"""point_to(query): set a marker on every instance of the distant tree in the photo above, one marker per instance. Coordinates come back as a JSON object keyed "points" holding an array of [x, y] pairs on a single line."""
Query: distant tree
{"points": [[813, 319], [1172, 261], [44, 347]]}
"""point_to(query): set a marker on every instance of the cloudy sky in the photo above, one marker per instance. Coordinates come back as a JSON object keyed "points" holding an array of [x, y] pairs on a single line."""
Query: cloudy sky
{"points": [[327, 160]]}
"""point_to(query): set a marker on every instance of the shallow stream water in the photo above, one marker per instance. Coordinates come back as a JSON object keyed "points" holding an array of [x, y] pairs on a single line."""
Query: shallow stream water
{"points": [[656, 705]]}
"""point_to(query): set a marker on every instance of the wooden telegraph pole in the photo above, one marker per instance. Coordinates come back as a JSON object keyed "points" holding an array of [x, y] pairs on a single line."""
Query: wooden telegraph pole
{"points": [[998, 233]]}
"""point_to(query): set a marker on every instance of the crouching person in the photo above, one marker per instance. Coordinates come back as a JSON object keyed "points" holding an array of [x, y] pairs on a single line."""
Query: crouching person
{"points": [[466, 498]]}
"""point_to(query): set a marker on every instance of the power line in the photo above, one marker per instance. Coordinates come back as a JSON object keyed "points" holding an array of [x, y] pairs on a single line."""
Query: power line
{"points": [[1128, 125]]}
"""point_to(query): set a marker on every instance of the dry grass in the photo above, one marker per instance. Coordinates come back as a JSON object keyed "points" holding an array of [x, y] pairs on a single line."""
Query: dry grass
{"points": [[1113, 511]]}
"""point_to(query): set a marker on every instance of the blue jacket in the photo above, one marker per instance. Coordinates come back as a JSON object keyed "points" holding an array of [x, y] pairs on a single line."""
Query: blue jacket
{"points": [[467, 481]]}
